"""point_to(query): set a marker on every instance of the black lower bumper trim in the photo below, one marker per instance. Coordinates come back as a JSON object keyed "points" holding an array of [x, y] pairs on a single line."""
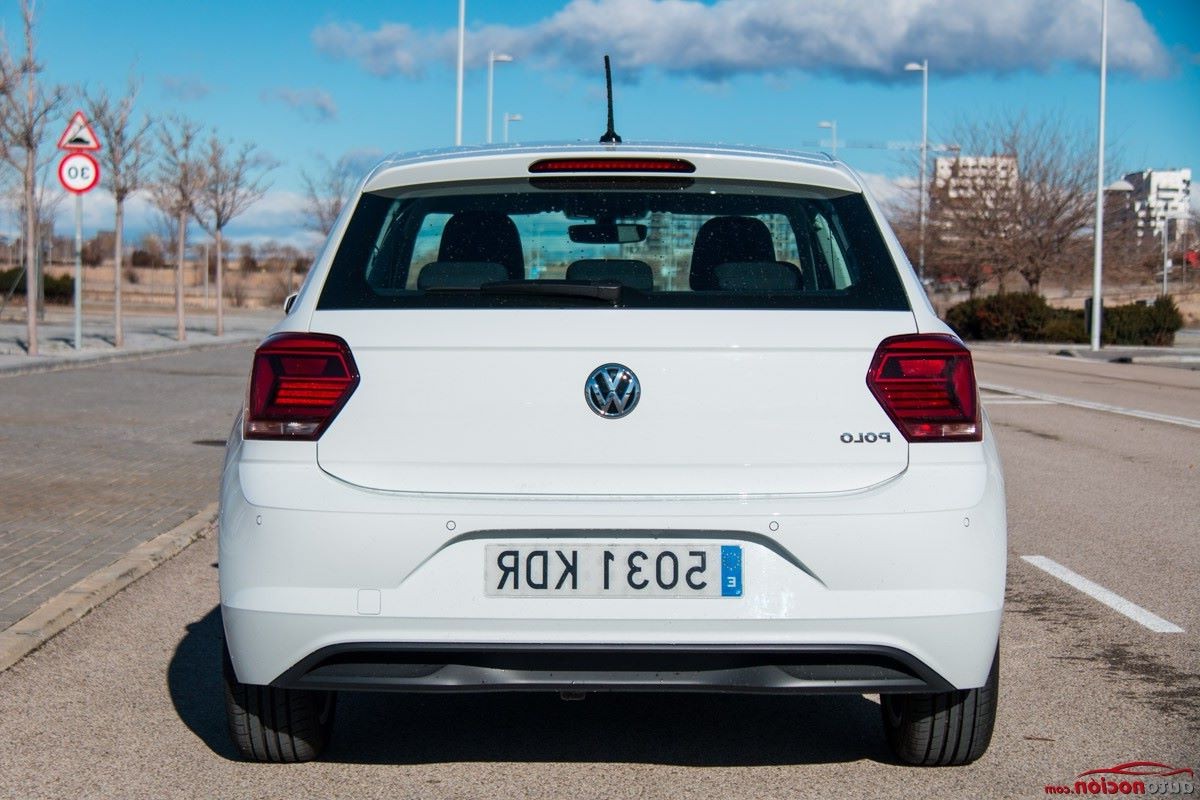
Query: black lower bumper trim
{"points": [[424, 667]]}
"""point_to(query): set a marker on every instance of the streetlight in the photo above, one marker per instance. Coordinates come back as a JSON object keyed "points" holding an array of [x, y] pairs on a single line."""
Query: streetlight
{"points": [[1098, 253], [507, 119], [462, 40], [832, 126], [493, 57], [922, 68]]}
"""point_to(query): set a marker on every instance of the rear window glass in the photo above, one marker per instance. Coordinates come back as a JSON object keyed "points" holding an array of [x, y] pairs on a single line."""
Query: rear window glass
{"points": [[629, 242]]}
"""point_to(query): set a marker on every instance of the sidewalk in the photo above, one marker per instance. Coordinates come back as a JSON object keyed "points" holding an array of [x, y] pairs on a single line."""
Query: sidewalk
{"points": [[96, 464], [1185, 353], [145, 334]]}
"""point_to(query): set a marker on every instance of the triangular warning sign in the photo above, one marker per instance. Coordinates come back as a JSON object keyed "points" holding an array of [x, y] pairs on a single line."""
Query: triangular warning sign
{"points": [[78, 135]]}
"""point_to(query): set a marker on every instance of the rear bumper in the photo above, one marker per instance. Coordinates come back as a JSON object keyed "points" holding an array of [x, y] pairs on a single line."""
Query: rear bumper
{"points": [[423, 667], [325, 585]]}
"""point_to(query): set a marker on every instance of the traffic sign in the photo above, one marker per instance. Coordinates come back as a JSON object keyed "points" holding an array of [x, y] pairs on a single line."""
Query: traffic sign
{"points": [[78, 135], [78, 173]]}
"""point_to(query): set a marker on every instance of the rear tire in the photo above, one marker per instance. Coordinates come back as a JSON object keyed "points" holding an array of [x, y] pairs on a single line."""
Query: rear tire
{"points": [[276, 725], [942, 728]]}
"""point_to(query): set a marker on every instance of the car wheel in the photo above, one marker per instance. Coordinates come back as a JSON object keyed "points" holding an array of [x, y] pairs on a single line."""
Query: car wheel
{"points": [[942, 728], [276, 725]]}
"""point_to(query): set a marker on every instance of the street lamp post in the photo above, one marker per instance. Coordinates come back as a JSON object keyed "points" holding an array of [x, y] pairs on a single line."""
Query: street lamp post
{"points": [[493, 57], [507, 119], [458, 99], [923, 68], [830, 125], [1098, 253]]}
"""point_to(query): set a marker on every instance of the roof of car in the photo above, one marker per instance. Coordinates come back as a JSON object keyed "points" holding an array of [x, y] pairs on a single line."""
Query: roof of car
{"points": [[548, 148], [711, 160]]}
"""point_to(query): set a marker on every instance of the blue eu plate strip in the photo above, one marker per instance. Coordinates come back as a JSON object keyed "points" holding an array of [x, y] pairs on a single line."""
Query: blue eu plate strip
{"points": [[731, 570]]}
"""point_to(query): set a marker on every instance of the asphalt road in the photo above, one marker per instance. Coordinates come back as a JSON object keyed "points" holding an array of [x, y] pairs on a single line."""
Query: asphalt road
{"points": [[126, 703]]}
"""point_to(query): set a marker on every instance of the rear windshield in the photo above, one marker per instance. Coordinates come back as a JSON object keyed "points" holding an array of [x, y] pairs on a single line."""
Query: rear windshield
{"points": [[641, 242]]}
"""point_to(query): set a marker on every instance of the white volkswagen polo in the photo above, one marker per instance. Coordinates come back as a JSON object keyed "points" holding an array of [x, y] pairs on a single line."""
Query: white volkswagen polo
{"points": [[599, 418]]}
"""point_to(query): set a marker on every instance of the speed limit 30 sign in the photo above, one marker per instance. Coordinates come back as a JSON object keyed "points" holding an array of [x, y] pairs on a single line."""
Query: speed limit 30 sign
{"points": [[78, 172]]}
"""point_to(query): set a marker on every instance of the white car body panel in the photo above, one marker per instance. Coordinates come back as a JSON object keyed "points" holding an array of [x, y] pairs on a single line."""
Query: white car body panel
{"points": [[468, 414]]}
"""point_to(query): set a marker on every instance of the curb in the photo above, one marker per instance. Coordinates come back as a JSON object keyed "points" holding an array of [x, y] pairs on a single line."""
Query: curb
{"points": [[64, 609], [76, 362]]}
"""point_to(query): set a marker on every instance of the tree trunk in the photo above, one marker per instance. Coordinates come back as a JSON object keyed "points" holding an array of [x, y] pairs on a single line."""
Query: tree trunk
{"points": [[118, 326], [31, 271], [220, 286], [181, 243]]}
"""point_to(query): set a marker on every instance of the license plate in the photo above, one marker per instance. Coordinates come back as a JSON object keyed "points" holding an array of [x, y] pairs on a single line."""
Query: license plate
{"points": [[613, 570]]}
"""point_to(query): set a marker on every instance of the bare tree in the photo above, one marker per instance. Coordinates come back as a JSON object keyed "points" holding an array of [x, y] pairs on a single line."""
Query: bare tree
{"points": [[326, 193], [123, 160], [234, 180], [1019, 199], [971, 223], [25, 107], [176, 191]]}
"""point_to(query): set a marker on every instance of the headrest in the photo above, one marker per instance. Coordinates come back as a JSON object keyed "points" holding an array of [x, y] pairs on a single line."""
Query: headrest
{"points": [[482, 236], [725, 239]]}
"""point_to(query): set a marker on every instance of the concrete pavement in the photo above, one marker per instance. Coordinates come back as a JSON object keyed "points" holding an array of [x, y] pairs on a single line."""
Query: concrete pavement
{"points": [[94, 462]]}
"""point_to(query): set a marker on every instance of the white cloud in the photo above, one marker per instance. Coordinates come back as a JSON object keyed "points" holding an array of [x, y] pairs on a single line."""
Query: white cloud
{"points": [[869, 39], [390, 50], [315, 105], [887, 190], [183, 87]]}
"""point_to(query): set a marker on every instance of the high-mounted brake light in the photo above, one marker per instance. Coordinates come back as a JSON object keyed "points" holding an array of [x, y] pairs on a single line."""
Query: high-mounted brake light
{"points": [[298, 384], [612, 165], [926, 384]]}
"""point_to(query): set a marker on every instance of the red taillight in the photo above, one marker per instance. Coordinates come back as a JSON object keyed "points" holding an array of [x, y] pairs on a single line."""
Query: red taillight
{"points": [[298, 384], [612, 165], [926, 384]]}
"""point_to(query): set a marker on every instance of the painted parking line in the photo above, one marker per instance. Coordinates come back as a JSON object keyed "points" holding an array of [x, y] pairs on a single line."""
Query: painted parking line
{"points": [[1186, 422], [1111, 599]]}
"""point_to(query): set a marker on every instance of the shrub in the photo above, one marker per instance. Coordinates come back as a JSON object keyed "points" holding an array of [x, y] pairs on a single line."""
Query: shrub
{"points": [[1027, 317], [963, 318], [1140, 324], [145, 258], [1006, 317], [56, 290], [1066, 326]]}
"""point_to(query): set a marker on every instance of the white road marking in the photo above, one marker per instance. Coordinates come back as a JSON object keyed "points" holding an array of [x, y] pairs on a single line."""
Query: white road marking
{"points": [[1001, 400], [1070, 401], [1097, 592]]}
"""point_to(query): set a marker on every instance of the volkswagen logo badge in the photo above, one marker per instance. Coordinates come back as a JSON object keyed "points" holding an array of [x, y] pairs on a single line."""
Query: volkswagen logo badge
{"points": [[612, 390]]}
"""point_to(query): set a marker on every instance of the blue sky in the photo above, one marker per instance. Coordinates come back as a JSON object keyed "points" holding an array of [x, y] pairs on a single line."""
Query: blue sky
{"points": [[304, 80]]}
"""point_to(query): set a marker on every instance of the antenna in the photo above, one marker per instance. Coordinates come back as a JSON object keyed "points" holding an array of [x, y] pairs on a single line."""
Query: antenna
{"points": [[610, 136]]}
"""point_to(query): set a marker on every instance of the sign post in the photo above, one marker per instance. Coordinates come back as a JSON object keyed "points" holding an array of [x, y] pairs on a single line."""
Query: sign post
{"points": [[78, 173]]}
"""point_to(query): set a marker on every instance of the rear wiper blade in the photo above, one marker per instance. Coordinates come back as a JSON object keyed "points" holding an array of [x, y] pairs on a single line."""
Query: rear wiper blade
{"points": [[607, 291]]}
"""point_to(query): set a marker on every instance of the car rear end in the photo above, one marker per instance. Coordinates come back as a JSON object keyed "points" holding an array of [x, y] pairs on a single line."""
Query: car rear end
{"points": [[589, 419]]}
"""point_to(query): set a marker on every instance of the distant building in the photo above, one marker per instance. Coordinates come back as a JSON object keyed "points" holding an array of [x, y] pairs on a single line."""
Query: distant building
{"points": [[972, 196], [1154, 197], [972, 177]]}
